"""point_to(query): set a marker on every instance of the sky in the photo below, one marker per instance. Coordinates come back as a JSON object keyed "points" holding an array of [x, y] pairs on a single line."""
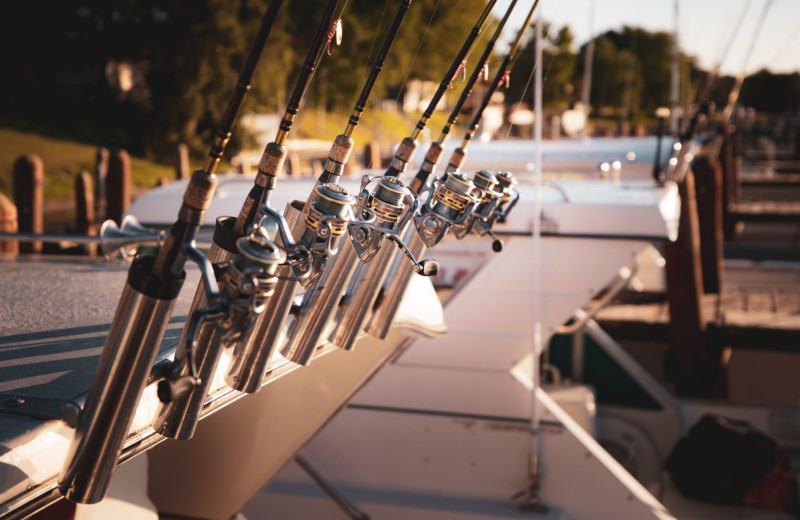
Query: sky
{"points": [[704, 27]]}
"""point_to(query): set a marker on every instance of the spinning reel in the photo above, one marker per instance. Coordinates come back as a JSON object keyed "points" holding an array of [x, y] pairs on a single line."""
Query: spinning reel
{"points": [[450, 203], [325, 222], [393, 205], [507, 197], [485, 183], [245, 285]]}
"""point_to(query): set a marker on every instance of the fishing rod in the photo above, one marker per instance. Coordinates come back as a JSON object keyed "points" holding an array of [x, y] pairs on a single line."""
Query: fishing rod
{"points": [[503, 72], [453, 196], [331, 265], [407, 147], [140, 320], [199, 351], [389, 207], [457, 202], [435, 150], [713, 74], [343, 144], [362, 294], [454, 201], [682, 163]]}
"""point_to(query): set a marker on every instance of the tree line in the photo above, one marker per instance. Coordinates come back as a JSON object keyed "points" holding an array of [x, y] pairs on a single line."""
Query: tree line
{"points": [[147, 74], [631, 76]]}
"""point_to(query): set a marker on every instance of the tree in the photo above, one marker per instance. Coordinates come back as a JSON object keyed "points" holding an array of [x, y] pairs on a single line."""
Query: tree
{"points": [[558, 69], [147, 74]]}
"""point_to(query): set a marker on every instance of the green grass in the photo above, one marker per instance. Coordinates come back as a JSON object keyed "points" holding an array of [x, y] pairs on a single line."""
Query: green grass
{"points": [[385, 128], [62, 160]]}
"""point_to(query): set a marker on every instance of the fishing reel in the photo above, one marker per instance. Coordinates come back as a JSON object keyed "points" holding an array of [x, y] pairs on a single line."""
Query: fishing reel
{"points": [[488, 199], [244, 286], [325, 222], [393, 205], [450, 203], [507, 197]]}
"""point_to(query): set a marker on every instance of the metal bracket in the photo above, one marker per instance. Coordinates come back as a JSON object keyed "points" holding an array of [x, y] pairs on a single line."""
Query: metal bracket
{"points": [[40, 408]]}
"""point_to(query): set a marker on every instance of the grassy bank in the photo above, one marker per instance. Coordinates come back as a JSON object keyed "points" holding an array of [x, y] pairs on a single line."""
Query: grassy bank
{"points": [[62, 160]]}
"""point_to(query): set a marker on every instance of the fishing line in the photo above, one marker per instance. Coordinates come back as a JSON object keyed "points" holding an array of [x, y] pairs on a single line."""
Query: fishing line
{"points": [[756, 34], [421, 40], [789, 43], [733, 96], [711, 76], [369, 54], [528, 83]]}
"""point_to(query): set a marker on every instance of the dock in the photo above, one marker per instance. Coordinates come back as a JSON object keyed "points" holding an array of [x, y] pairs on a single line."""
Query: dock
{"points": [[736, 285]]}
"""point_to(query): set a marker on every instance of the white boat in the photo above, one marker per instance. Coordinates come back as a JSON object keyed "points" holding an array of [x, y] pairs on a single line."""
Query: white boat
{"points": [[445, 421], [626, 157]]}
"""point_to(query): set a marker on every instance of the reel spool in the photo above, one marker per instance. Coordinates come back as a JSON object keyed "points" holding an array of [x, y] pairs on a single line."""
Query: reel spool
{"points": [[450, 202], [488, 199], [393, 204]]}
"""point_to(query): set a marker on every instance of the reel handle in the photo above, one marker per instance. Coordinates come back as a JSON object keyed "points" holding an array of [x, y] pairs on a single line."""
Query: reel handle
{"points": [[427, 267]]}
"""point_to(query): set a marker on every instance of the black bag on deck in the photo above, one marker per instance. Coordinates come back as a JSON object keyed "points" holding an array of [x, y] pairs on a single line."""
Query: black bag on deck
{"points": [[720, 460]]}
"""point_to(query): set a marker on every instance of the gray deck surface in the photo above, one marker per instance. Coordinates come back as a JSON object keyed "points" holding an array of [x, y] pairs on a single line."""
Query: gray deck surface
{"points": [[55, 313]]}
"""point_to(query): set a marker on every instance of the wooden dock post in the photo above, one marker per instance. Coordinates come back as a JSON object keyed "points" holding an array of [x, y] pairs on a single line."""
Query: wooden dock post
{"points": [[118, 185], [292, 165], [8, 224], [687, 353], [797, 142], [372, 155], [100, 175], [27, 186], [84, 204], [708, 183], [84, 209], [730, 190], [181, 162]]}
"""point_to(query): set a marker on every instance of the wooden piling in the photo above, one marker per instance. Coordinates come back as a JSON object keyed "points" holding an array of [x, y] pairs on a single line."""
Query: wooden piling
{"points": [[118, 185], [8, 224], [84, 204], [27, 186], [797, 142], [727, 159], [182, 162], [85, 209], [708, 183], [292, 165], [351, 167], [372, 155], [100, 175], [687, 351]]}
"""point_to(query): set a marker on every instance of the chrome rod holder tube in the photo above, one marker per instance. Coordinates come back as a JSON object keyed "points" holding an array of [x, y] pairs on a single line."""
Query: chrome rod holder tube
{"points": [[322, 299], [251, 357], [128, 356], [136, 333], [245, 285], [394, 204], [318, 306], [318, 229], [394, 286]]}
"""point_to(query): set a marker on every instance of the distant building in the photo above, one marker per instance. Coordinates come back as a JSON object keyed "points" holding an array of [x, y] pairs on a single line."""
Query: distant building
{"points": [[418, 94]]}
